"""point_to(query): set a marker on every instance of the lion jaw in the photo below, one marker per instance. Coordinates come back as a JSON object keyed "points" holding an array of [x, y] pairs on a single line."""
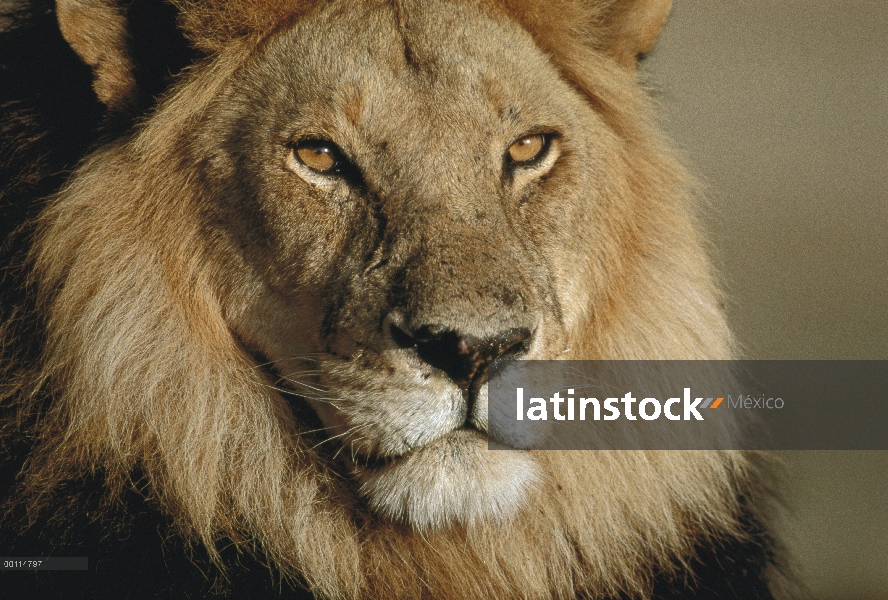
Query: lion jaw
{"points": [[453, 480]]}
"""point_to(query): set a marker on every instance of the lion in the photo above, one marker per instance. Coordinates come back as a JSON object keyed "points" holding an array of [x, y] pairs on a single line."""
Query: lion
{"points": [[270, 305]]}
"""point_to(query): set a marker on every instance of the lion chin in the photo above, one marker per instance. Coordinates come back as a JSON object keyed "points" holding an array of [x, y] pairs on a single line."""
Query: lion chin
{"points": [[454, 480]]}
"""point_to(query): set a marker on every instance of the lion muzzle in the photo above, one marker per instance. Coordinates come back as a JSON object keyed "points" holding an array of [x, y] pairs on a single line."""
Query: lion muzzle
{"points": [[465, 358]]}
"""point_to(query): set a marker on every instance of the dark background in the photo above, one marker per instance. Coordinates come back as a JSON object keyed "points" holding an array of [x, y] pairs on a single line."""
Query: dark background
{"points": [[781, 108]]}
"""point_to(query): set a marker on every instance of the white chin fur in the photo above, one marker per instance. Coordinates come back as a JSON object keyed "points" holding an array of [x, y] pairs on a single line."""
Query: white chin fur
{"points": [[454, 480]]}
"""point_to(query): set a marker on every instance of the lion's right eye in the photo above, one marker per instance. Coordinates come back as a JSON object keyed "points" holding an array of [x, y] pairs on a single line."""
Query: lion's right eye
{"points": [[530, 150], [527, 149], [321, 156]]}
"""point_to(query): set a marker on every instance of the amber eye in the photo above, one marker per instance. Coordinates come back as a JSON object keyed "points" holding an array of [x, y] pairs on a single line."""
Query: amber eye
{"points": [[321, 156], [527, 149]]}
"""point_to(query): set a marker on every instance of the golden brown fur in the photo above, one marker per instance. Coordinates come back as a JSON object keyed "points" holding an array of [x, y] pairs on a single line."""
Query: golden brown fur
{"points": [[161, 298]]}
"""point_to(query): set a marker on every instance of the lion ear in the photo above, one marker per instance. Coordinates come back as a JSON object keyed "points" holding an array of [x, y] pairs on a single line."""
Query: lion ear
{"points": [[97, 31], [622, 29], [630, 28]]}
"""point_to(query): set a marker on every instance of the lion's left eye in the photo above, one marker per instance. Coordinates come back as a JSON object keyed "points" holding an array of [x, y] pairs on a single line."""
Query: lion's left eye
{"points": [[528, 149], [321, 156]]}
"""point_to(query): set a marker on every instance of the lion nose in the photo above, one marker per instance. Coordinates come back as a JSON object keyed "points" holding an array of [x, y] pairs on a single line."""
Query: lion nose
{"points": [[464, 358]]}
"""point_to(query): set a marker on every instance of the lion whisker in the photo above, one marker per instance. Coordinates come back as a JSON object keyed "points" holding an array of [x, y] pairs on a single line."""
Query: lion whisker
{"points": [[310, 372], [316, 430], [310, 356], [333, 437], [354, 453], [303, 384]]}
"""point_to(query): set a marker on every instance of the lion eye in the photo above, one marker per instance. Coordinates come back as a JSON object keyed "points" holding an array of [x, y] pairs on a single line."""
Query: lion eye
{"points": [[318, 155], [527, 149]]}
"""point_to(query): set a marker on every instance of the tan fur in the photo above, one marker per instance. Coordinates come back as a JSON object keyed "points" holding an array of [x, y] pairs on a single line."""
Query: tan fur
{"points": [[160, 293]]}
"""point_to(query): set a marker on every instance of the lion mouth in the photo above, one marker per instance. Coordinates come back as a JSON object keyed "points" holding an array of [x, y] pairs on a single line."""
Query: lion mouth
{"points": [[376, 462]]}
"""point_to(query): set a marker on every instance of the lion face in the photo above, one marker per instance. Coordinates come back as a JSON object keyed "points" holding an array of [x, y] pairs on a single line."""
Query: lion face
{"points": [[412, 215]]}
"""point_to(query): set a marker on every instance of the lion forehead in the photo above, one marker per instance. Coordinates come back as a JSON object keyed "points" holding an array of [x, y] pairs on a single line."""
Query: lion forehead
{"points": [[424, 71]]}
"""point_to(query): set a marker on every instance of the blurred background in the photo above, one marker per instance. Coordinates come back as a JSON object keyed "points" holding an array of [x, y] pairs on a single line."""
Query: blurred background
{"points": [[781, 108]]}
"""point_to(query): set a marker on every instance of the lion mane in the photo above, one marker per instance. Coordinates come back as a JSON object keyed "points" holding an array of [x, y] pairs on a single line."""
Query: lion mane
{"points": [[149, 358]]}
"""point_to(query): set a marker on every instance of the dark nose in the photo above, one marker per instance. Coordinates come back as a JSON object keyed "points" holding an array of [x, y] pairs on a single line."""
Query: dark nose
{"points": [[464, 358]]}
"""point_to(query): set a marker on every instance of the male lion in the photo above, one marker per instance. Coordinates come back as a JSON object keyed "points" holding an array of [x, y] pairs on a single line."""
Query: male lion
{"points": [[267, 309]]}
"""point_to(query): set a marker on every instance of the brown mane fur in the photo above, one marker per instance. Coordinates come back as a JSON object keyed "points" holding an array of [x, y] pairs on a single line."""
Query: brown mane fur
{"points": [[143, 370]]}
